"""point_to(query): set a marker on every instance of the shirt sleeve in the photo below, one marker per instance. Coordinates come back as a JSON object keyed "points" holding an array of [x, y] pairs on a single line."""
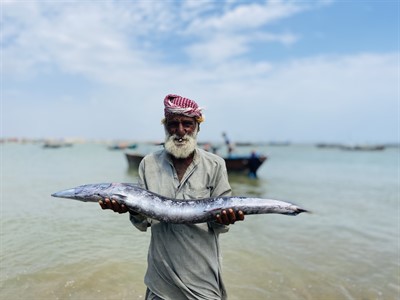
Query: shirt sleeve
{"points": [[139, 221]]}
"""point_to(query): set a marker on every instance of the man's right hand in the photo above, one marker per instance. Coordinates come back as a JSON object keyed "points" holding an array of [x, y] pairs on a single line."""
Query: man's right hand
{"points": [[113, 205], [229, 216]]}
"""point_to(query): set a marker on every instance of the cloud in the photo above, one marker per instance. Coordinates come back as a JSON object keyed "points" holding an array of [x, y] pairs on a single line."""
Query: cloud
{"points": [[321, 98], [108, 66], [81, 37], [224, 48], [246, 16]]}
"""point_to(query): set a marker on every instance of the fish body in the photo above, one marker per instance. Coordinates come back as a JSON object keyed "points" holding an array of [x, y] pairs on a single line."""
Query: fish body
{"points": [[170, 210]]}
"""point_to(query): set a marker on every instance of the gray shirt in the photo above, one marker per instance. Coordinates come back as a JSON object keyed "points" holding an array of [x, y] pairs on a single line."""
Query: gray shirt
{"points": [[184, 259]]}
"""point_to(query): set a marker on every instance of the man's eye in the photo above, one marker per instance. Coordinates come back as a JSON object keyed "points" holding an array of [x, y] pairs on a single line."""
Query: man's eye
{"points": [[173, 124]]}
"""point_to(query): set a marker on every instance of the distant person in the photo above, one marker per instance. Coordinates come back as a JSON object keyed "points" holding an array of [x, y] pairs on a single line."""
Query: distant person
{"points": [[183, 259], [228, 144], [253, 164], [210, 148], [207, 147]]}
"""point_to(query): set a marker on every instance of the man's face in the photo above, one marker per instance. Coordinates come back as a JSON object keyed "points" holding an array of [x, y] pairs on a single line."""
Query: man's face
{"points": [[180, 125], [181, 133]]}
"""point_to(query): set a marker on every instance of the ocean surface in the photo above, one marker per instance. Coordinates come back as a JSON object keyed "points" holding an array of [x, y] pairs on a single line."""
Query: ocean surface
{"points": [[348, 248]]}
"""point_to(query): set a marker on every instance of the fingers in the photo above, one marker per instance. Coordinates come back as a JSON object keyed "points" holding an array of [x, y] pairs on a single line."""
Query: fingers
{"points": [[229, 216], [113, 205], [240, 216], [123, 209], [218, 218], [105, 204], [226, 217], [102, 204]]}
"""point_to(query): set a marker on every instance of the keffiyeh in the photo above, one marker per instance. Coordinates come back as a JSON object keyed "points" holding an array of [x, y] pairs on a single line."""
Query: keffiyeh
{"points": [[174, 104]]}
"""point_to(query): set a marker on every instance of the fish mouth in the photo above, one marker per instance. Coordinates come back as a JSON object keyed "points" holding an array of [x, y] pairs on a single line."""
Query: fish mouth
{"points": [[83, 193], [71, 193]]}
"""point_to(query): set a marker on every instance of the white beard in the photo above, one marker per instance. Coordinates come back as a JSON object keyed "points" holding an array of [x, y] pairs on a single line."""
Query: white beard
{"points": [[180, 148]]}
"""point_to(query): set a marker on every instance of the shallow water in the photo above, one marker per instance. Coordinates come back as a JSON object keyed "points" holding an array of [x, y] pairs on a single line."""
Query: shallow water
{"points": [[348, 248]]}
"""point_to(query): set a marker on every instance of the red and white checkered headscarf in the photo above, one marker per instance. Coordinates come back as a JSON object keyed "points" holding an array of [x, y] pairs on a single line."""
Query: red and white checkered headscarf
{"points": [[174, 104]]}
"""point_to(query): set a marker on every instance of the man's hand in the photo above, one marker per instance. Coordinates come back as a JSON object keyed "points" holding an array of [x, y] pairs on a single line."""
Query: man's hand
{"points": [[229, 216], [114, 205]]}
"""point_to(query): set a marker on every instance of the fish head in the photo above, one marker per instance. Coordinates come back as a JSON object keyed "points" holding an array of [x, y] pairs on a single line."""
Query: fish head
{"points": [[86, 193]]}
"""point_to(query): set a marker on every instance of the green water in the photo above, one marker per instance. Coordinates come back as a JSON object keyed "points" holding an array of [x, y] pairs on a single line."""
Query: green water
{"points": [[348, 248]]}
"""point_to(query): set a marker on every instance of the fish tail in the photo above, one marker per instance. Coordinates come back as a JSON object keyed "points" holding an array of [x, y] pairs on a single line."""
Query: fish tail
{"points": [[300, 210]]}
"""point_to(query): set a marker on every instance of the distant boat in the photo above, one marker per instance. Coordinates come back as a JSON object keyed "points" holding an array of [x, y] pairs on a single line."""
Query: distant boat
{"points": [[243, 144], [238, 164], [328, 145], [244, 163], [134, 160], [54, 145], [122, 146], [352, 147], [363, 148], [277, 143]]}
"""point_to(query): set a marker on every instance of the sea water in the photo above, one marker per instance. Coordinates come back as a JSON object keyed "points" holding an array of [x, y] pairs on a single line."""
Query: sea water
{"points": [[347, 248]]}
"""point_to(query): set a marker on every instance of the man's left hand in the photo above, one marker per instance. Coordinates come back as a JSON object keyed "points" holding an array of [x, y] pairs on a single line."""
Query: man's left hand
{"points": [[229, 216]]}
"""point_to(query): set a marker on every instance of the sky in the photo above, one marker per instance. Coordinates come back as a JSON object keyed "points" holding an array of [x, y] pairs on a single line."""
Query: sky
{"points": [[274, 70]]}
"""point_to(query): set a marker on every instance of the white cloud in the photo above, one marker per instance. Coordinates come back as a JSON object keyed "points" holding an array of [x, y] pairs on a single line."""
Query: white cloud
{"points": [[247, 16], [81, 37], [324, 98], [118, 49], [219, 49]]}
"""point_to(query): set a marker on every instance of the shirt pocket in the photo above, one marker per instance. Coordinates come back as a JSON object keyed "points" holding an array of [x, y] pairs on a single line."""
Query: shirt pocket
{"points": [[196, 192]]}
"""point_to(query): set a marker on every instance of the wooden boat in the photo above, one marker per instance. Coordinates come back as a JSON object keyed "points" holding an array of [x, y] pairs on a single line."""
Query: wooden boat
{"points": [[235, 163], [122, 146], [133, 160], [244, 163]]}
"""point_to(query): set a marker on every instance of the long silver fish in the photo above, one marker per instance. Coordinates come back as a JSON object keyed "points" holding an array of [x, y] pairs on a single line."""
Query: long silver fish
{"points": [[171, 210]]}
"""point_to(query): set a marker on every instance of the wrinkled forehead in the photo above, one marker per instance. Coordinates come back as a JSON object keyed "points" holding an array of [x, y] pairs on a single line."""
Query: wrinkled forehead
{"points": [[179, 118]]}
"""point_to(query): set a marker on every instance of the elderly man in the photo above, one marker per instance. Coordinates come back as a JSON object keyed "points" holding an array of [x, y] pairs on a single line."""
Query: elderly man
{"points": [[183, 259]]}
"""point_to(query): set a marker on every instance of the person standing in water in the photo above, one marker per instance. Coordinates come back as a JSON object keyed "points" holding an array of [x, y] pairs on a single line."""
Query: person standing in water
{"points": [[183, 259]]}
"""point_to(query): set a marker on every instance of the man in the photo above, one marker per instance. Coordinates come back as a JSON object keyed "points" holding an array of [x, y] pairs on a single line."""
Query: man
{"points": [[183, 259]]}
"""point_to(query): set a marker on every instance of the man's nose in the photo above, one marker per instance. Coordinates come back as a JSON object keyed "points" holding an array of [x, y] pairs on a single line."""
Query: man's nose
{"points": [[181, 131]]}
